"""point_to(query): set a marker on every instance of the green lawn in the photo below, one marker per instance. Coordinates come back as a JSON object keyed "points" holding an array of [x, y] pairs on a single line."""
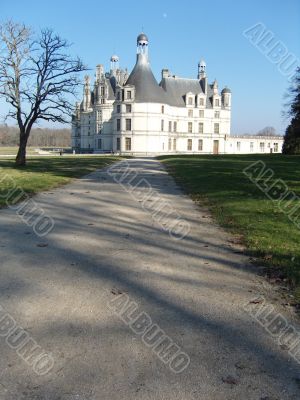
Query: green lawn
{"points": [[43, 173], [12, 150], [7, 150], [238, 205]]}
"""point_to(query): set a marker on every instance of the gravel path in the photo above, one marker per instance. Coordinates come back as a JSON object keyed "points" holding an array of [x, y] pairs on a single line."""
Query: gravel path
{"points": [[111, 245]]}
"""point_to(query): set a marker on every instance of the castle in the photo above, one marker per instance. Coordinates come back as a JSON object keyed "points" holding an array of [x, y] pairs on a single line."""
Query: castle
{"points": [[134, 115]]}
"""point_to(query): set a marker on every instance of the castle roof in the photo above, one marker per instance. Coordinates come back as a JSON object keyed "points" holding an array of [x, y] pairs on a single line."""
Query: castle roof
{"points": [[226, 90], [176, 89], [147, 90], [142, 37]]}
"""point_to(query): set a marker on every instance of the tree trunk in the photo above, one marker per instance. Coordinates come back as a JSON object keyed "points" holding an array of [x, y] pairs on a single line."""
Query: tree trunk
{"points": [[21, 156]]}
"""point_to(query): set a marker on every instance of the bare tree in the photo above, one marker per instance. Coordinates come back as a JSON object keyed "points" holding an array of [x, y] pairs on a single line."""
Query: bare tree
{"points": [[267, 131], [37, 78]]}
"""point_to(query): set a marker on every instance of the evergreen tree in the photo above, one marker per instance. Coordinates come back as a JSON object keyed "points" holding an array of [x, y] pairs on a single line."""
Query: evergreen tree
{"points": [[292, 135]]}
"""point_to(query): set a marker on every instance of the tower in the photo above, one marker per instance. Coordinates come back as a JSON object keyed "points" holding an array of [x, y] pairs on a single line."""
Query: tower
{"points": [[142, 44], [86, 93], [226, 97], [114, 63], [202, 75], [99, 72], [201, 69], [215, 87]]}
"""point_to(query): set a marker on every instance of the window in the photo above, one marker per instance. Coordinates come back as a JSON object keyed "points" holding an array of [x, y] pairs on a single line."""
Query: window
{"points": [[118, 124], [128, 95], [118, 109], [262, 146], [128, 108], [99, 144], [201, 101], [102, 91], [201, 113], [200, 127], [238, 146], [190, 127], [217, 103], [200, 145], [275, 147], [189, 144], [170, 144], [190, 101], [128, 124], [118, 95], [251, 147], [216, 128], [190, 113], [162, 125], [162, 109], [175, 126], [174, 144], [170, 126], [118, 143], [128, 144], [217, 114]]}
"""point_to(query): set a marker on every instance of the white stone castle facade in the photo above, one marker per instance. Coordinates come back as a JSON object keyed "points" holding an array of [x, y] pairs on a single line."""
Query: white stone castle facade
{"points": [[133, 114]]}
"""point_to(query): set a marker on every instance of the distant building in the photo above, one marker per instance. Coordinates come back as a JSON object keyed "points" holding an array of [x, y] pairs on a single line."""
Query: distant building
{"points": [[133, 114]]}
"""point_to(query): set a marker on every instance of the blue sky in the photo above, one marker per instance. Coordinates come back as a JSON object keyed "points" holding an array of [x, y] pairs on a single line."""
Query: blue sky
{"points": [[180, 33]]}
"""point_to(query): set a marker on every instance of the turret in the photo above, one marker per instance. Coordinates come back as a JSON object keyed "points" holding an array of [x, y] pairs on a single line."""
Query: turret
{"points": [[86, 93], [114, 63], [215, 87], [165, 73], [142, 44], [202, 75], [226, 97], [99, 72], [77, 110], [216, 97], [201, 69]]}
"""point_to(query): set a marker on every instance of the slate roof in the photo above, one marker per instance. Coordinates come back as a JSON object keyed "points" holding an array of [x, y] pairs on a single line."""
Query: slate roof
{"points": [[171, 90], [176, 89], [147, 90], [111, 95]]}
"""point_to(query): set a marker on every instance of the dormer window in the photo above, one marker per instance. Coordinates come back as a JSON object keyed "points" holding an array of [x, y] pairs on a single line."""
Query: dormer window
{"points": [[201, 101], [128, 95], [217, 103], [190, 101], [118, 96]]}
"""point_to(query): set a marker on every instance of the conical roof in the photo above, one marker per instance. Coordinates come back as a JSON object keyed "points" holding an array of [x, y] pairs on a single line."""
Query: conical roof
{"points": [[147, 89]]}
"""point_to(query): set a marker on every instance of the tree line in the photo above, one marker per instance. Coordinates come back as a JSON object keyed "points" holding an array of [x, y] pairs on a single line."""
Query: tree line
{"points": [[39, 137]]}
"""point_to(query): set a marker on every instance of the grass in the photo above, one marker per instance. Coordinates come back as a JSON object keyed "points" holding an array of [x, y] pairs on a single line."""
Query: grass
{"points": [[44, 173], [241, 207], [12, 150]]}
